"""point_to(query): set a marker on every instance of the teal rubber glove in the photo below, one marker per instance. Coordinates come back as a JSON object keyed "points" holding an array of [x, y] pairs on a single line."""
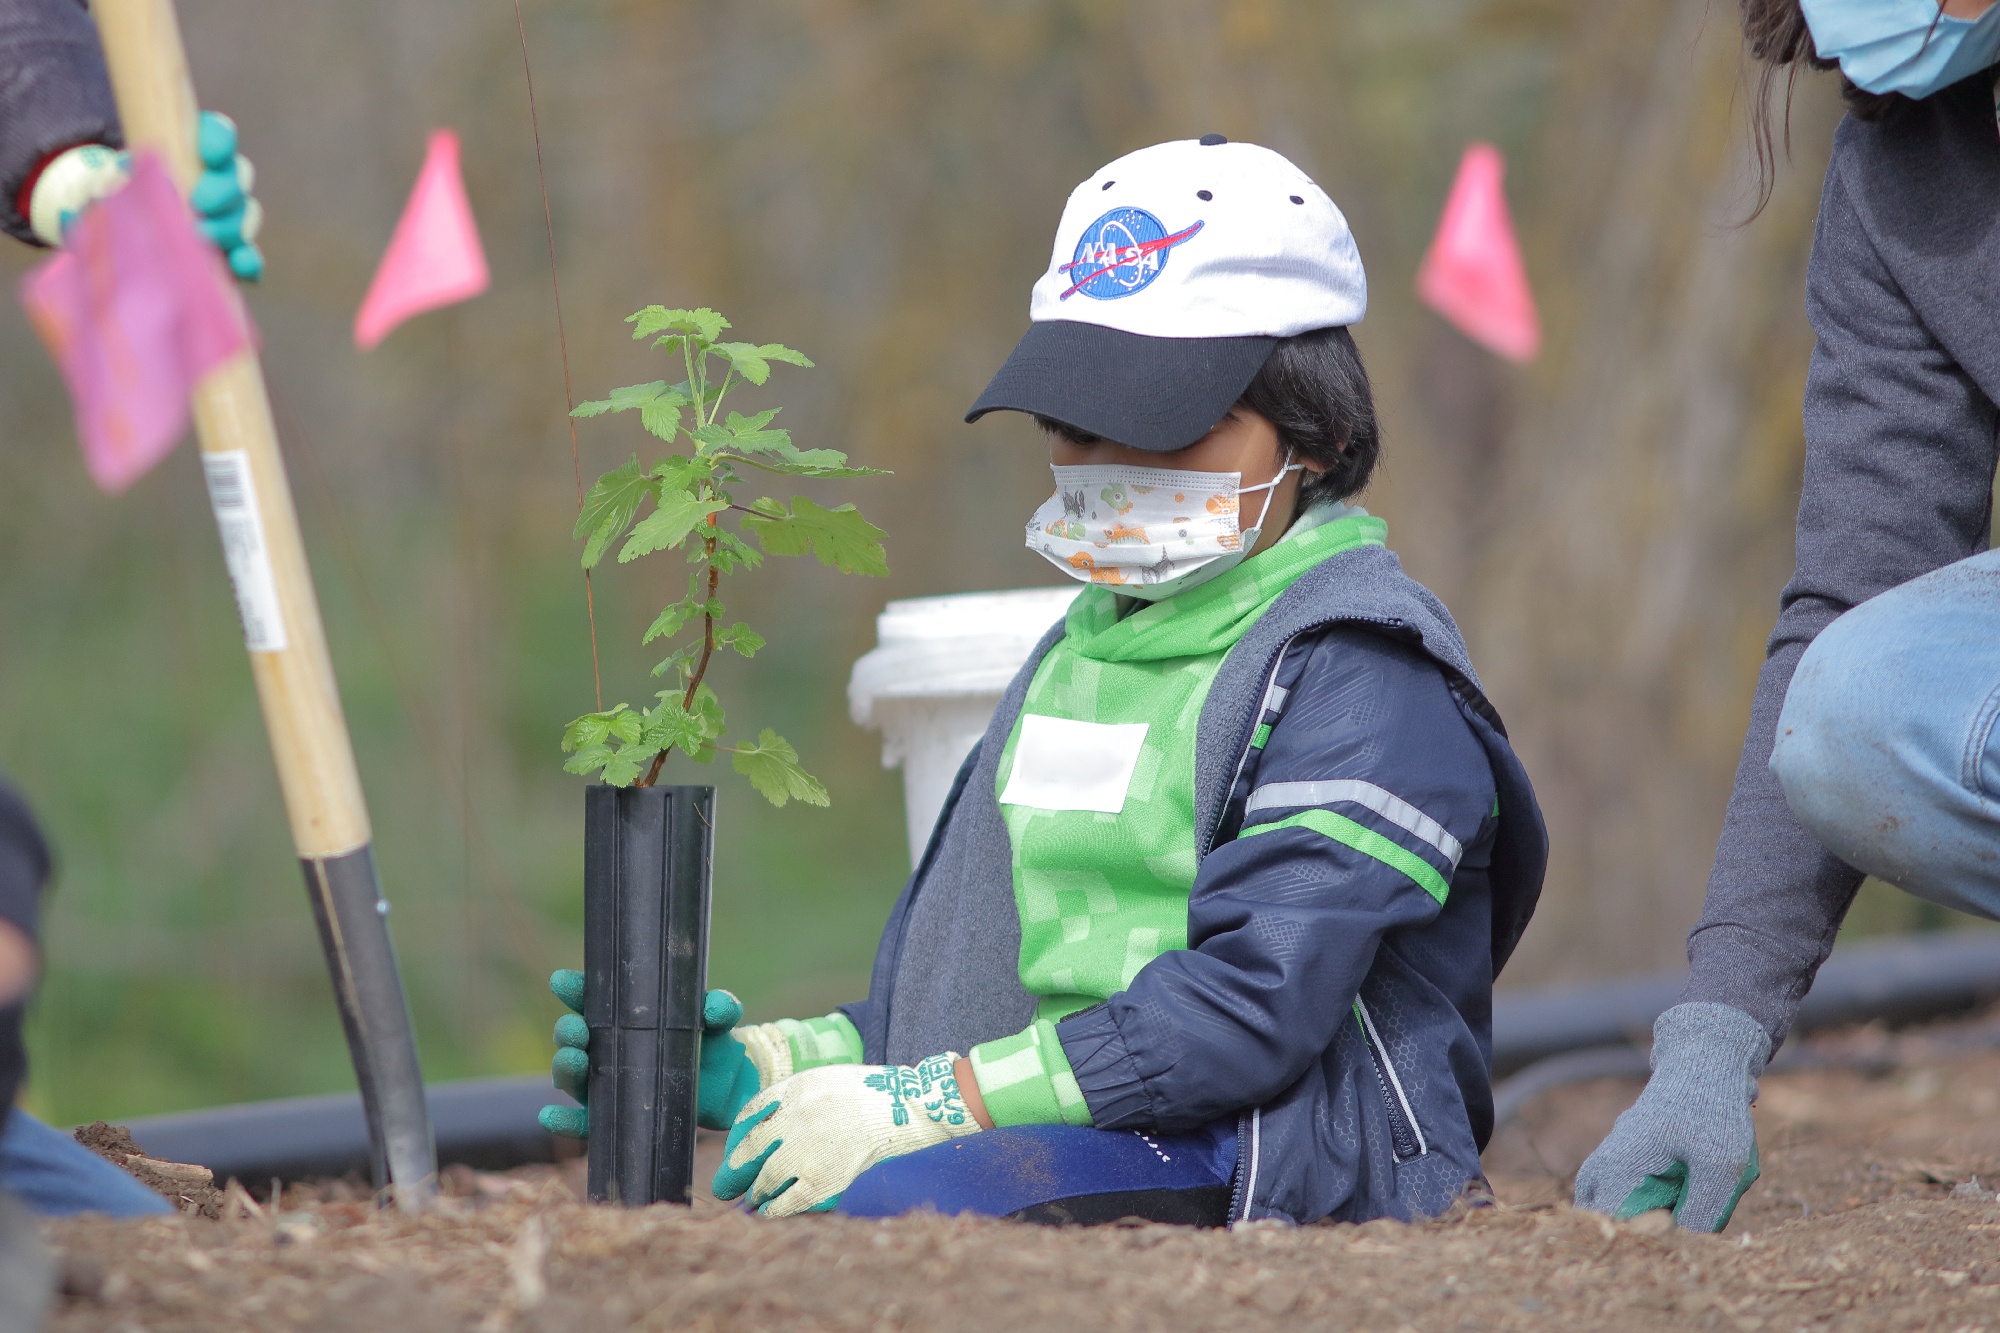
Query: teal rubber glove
{"points": [[796, 1148], [225, 210], [227, 213], [728, 1078], [1689, 1142]]}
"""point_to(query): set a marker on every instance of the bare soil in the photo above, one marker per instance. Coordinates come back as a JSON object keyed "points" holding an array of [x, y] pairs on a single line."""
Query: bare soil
{"points": [[1877, 1211]]}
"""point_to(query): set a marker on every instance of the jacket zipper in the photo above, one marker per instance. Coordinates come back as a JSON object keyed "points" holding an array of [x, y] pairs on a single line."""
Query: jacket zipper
{"points": [[1406, 1136]]}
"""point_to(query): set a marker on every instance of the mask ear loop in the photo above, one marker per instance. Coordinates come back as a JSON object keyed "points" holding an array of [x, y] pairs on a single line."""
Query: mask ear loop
{"points": [[1269, 488]]}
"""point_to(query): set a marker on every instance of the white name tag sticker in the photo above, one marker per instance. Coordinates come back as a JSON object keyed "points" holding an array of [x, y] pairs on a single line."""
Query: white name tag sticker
{"points": [[1065, 765]]}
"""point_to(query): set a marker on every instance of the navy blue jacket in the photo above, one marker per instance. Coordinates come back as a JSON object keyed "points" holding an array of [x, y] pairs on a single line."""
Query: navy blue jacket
{"points": [[1328, 1003], [54, 93]]}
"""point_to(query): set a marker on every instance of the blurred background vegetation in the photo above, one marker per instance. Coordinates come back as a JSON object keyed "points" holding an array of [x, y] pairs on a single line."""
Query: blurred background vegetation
{"points": [[873, 181]]}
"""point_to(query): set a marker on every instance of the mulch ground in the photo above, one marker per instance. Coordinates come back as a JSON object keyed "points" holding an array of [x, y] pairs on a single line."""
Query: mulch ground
{"points": [[1877, 1211]]}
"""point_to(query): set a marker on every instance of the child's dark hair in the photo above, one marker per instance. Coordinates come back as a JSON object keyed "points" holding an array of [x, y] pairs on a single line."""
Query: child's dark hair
{"points": [[1315, 390], [1775, 35]]}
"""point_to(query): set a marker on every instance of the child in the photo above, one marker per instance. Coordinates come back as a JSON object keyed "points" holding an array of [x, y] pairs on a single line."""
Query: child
{"points": [[1214, 909]]}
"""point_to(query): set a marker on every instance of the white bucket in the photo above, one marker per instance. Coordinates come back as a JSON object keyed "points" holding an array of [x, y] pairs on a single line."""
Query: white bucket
{"points": [[930, 686]]}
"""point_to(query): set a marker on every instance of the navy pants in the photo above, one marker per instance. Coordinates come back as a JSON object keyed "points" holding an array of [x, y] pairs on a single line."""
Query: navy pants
{"points": [[1059, 1174]]}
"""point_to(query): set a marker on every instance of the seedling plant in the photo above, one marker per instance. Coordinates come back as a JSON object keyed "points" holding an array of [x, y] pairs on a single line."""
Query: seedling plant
{"points": [[692, 507]]}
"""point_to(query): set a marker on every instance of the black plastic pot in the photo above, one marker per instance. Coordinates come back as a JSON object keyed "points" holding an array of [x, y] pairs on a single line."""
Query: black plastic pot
{"points": [[646, 877]]}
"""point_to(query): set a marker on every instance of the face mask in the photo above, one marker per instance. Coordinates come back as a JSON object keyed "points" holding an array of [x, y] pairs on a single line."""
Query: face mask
{"points": [[1149, 532], [1902, 46]]}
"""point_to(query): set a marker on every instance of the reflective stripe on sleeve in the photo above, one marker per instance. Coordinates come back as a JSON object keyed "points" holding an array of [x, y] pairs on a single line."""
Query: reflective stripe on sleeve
{"points": [[1283, 795], [1366, 841]]}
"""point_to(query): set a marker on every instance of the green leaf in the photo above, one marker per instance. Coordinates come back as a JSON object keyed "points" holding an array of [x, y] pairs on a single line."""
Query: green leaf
{"points": [[711, 437], [733, 553], [669, 525], [608, 509], [671, 725], [680, 472], [741, 638], [749, 433], [668, 623], [681, 659], [589, 759], [780, 352], [662, 417], [773, 769], [709, 709], [672, 619], [624, 768], [703, 323], [788, 461], [744, 357], [838, 537], [690, 730], [591, 728]]}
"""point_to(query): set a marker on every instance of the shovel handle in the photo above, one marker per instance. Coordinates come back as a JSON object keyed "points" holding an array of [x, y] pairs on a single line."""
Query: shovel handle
{"points": [[287, 643]]}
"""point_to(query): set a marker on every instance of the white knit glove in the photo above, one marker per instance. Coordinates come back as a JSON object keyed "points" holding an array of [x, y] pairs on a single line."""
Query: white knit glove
{"points": [[73, 180], [796, 1147]]}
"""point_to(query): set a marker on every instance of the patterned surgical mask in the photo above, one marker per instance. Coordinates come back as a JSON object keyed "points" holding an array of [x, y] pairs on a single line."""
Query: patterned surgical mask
{"points": [[1149, 532]]}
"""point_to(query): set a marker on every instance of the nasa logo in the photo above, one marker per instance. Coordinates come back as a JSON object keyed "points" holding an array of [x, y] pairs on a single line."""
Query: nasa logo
{"points": [[1121, 253]]}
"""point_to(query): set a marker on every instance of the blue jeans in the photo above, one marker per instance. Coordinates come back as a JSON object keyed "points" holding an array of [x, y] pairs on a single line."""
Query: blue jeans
{"points": [[1058, 1174], [1887, 747], [56, 1176]]}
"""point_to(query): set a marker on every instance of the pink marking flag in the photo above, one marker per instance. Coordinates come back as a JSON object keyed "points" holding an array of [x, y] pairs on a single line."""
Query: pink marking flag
{"points": [[135, 310], [1473, 274], [434, 258]]}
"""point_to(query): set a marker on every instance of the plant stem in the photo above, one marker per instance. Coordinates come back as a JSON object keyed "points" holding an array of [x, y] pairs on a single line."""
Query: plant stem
{"points": [[707, 648]]}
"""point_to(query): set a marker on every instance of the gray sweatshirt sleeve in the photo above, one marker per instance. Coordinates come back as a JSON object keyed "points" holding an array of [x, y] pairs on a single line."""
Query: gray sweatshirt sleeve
{"points": [[1898, 482], [54, 93]]}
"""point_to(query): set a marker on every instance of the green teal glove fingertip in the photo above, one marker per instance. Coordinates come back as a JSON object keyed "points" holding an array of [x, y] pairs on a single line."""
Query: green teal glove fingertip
{"points": [[216, 193], [720, 1009], [569, 1122], [731, 1181], [566, 984], [570, 1069], [573, 1032], [215, 140], [1663, 1190], [1743, 1183]]}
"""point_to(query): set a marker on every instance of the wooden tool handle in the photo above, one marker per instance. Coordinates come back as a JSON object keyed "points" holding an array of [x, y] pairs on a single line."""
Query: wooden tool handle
{"points": [[232, 415], [287, 643]]}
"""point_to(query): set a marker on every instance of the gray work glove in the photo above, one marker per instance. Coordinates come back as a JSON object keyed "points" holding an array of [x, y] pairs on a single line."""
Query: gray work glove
{"points": [[1688, 1143]]}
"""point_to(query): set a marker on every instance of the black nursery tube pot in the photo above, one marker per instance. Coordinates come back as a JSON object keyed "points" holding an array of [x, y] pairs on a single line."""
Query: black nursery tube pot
{"points": [[646, 878]]}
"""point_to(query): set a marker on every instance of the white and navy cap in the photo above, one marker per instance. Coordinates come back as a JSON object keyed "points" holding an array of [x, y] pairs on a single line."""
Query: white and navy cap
{"points": [[1176, 270]]}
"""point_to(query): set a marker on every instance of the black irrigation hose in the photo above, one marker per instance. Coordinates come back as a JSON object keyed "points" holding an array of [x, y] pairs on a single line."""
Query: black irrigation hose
{"points": [[1570, 1034], [483, 1123], [1541, 1040]]}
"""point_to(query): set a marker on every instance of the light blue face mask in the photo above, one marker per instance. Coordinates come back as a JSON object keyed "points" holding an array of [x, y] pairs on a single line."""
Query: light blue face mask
{"points": [[1902, 46]]}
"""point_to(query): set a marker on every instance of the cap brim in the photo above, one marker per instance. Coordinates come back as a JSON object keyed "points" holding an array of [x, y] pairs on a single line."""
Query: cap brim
{"points": [[1157, 394]]}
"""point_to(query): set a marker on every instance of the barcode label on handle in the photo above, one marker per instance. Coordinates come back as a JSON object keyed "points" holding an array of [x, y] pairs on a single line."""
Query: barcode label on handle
{"points": [[234, 499]]}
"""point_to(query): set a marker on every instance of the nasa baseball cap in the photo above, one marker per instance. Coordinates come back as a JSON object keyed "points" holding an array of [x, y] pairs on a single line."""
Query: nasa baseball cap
{"points": [[1176, 270]]}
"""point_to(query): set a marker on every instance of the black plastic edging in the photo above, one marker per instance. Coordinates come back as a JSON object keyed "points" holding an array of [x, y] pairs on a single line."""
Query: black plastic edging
{"points": [[487, 1123]]}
